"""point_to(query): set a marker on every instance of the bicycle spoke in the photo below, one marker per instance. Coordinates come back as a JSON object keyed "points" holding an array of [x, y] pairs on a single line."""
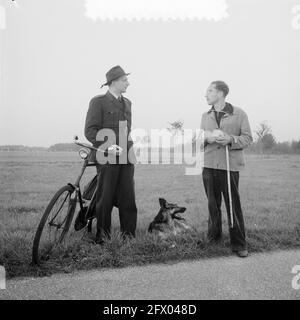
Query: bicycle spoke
{"points": [[58, 211], [56, 223]]}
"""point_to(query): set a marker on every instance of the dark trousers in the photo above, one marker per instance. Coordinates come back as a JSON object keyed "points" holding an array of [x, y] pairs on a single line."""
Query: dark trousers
{"points": [[215, 184], [116, 188]]}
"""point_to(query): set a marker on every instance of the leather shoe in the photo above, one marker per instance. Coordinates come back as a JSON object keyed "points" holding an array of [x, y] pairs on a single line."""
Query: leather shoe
{"points": [[99, 239], [242, 253]]}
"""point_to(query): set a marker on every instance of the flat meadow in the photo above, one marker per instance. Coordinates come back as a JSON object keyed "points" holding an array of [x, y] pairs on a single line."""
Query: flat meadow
{"points": [[269, 188]]}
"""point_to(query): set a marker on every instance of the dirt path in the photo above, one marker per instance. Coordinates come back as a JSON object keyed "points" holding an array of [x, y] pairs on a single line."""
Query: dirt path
{"points": [[260, 276]]}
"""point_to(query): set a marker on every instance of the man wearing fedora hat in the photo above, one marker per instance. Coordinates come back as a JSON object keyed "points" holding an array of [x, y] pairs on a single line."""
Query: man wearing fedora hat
{"points": [[115, 186]]}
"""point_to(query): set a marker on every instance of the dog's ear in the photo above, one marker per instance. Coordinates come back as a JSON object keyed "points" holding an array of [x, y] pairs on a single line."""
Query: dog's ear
{"points": [[162, 202]]}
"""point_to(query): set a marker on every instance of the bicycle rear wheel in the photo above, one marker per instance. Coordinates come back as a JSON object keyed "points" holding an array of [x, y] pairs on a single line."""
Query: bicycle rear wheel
{"points": [[55, 224]]}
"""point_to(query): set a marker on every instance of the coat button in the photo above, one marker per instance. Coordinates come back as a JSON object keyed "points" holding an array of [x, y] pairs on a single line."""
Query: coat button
{"points": [[219, 147]]}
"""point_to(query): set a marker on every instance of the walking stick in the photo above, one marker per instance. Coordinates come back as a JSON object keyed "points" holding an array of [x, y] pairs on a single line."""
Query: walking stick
{"points": [[229, 187]]}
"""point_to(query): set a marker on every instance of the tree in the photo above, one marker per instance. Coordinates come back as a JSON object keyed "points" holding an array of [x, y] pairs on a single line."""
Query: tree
{"points": [[262, 130], [268, 141], [176, 127], [295, 146], [265, 139]]}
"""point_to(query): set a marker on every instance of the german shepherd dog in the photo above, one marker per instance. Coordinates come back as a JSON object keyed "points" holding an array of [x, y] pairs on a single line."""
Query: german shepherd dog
{"points": [[168, 221]]}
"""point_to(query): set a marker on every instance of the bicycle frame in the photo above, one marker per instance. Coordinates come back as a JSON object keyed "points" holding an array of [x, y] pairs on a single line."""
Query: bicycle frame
{"points": [[76, 185]]}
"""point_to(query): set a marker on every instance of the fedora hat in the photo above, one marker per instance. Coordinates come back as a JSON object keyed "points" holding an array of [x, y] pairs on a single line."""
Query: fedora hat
{"points": [[113, 74]]}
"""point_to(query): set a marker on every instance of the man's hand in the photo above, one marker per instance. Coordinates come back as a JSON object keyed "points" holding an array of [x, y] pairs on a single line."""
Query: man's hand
{"points": [[115, 150], [213, 136], [209, 137], [224, 140]]}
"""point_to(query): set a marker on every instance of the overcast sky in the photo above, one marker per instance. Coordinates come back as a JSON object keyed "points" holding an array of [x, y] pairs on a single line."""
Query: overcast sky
{"points": [[54, 56]]}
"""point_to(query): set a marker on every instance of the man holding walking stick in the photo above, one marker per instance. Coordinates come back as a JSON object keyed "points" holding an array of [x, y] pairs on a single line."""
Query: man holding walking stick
{"points": [[226, 133]]}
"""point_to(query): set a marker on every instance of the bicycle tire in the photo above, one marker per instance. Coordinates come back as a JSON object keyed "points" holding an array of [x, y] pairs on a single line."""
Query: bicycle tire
{"points": [[38, 253]]}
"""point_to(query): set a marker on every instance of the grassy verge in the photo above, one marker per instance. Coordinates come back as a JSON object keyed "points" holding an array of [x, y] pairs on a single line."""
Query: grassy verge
{"points": [[268, 188], [78, 254]]}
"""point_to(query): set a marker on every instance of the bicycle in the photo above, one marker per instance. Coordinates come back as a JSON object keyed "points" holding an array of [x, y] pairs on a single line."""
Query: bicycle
{"points": [[58, 215]]}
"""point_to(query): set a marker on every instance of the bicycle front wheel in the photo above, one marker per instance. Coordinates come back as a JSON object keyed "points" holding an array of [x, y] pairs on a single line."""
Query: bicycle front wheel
{"points": [[55, 224]]}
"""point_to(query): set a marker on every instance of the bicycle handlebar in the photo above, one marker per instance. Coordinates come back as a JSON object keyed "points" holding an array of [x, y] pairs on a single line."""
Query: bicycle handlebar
{"points": [[86, 145]]}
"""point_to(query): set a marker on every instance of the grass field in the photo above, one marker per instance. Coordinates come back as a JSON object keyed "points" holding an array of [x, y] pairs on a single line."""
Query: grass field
{"points": [[269, 192]]}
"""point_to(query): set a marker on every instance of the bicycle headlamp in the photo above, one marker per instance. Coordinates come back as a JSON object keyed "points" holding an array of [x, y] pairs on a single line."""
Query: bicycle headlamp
{"points": [[83, 153]]}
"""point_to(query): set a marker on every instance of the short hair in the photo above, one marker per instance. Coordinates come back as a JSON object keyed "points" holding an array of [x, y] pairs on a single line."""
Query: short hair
{"points": [[221, 86]]}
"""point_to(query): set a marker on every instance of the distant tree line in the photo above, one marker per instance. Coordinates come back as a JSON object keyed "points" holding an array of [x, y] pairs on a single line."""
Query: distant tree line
{"points": [[264, 143], [54, 147], [64, 147], [22, 148], [267, 147]]}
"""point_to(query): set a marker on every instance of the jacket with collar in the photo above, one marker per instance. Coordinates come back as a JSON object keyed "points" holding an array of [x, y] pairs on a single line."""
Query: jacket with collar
{"points": [[236, 124], [105, 112]]}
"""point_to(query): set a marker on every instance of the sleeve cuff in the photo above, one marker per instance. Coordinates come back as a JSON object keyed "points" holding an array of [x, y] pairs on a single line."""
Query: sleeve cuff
{"points": [[233, 142]]}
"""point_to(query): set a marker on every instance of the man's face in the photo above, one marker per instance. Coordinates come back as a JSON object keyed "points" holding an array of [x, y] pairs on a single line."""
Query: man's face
{"points": [[121, 84], [213, 95]]}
